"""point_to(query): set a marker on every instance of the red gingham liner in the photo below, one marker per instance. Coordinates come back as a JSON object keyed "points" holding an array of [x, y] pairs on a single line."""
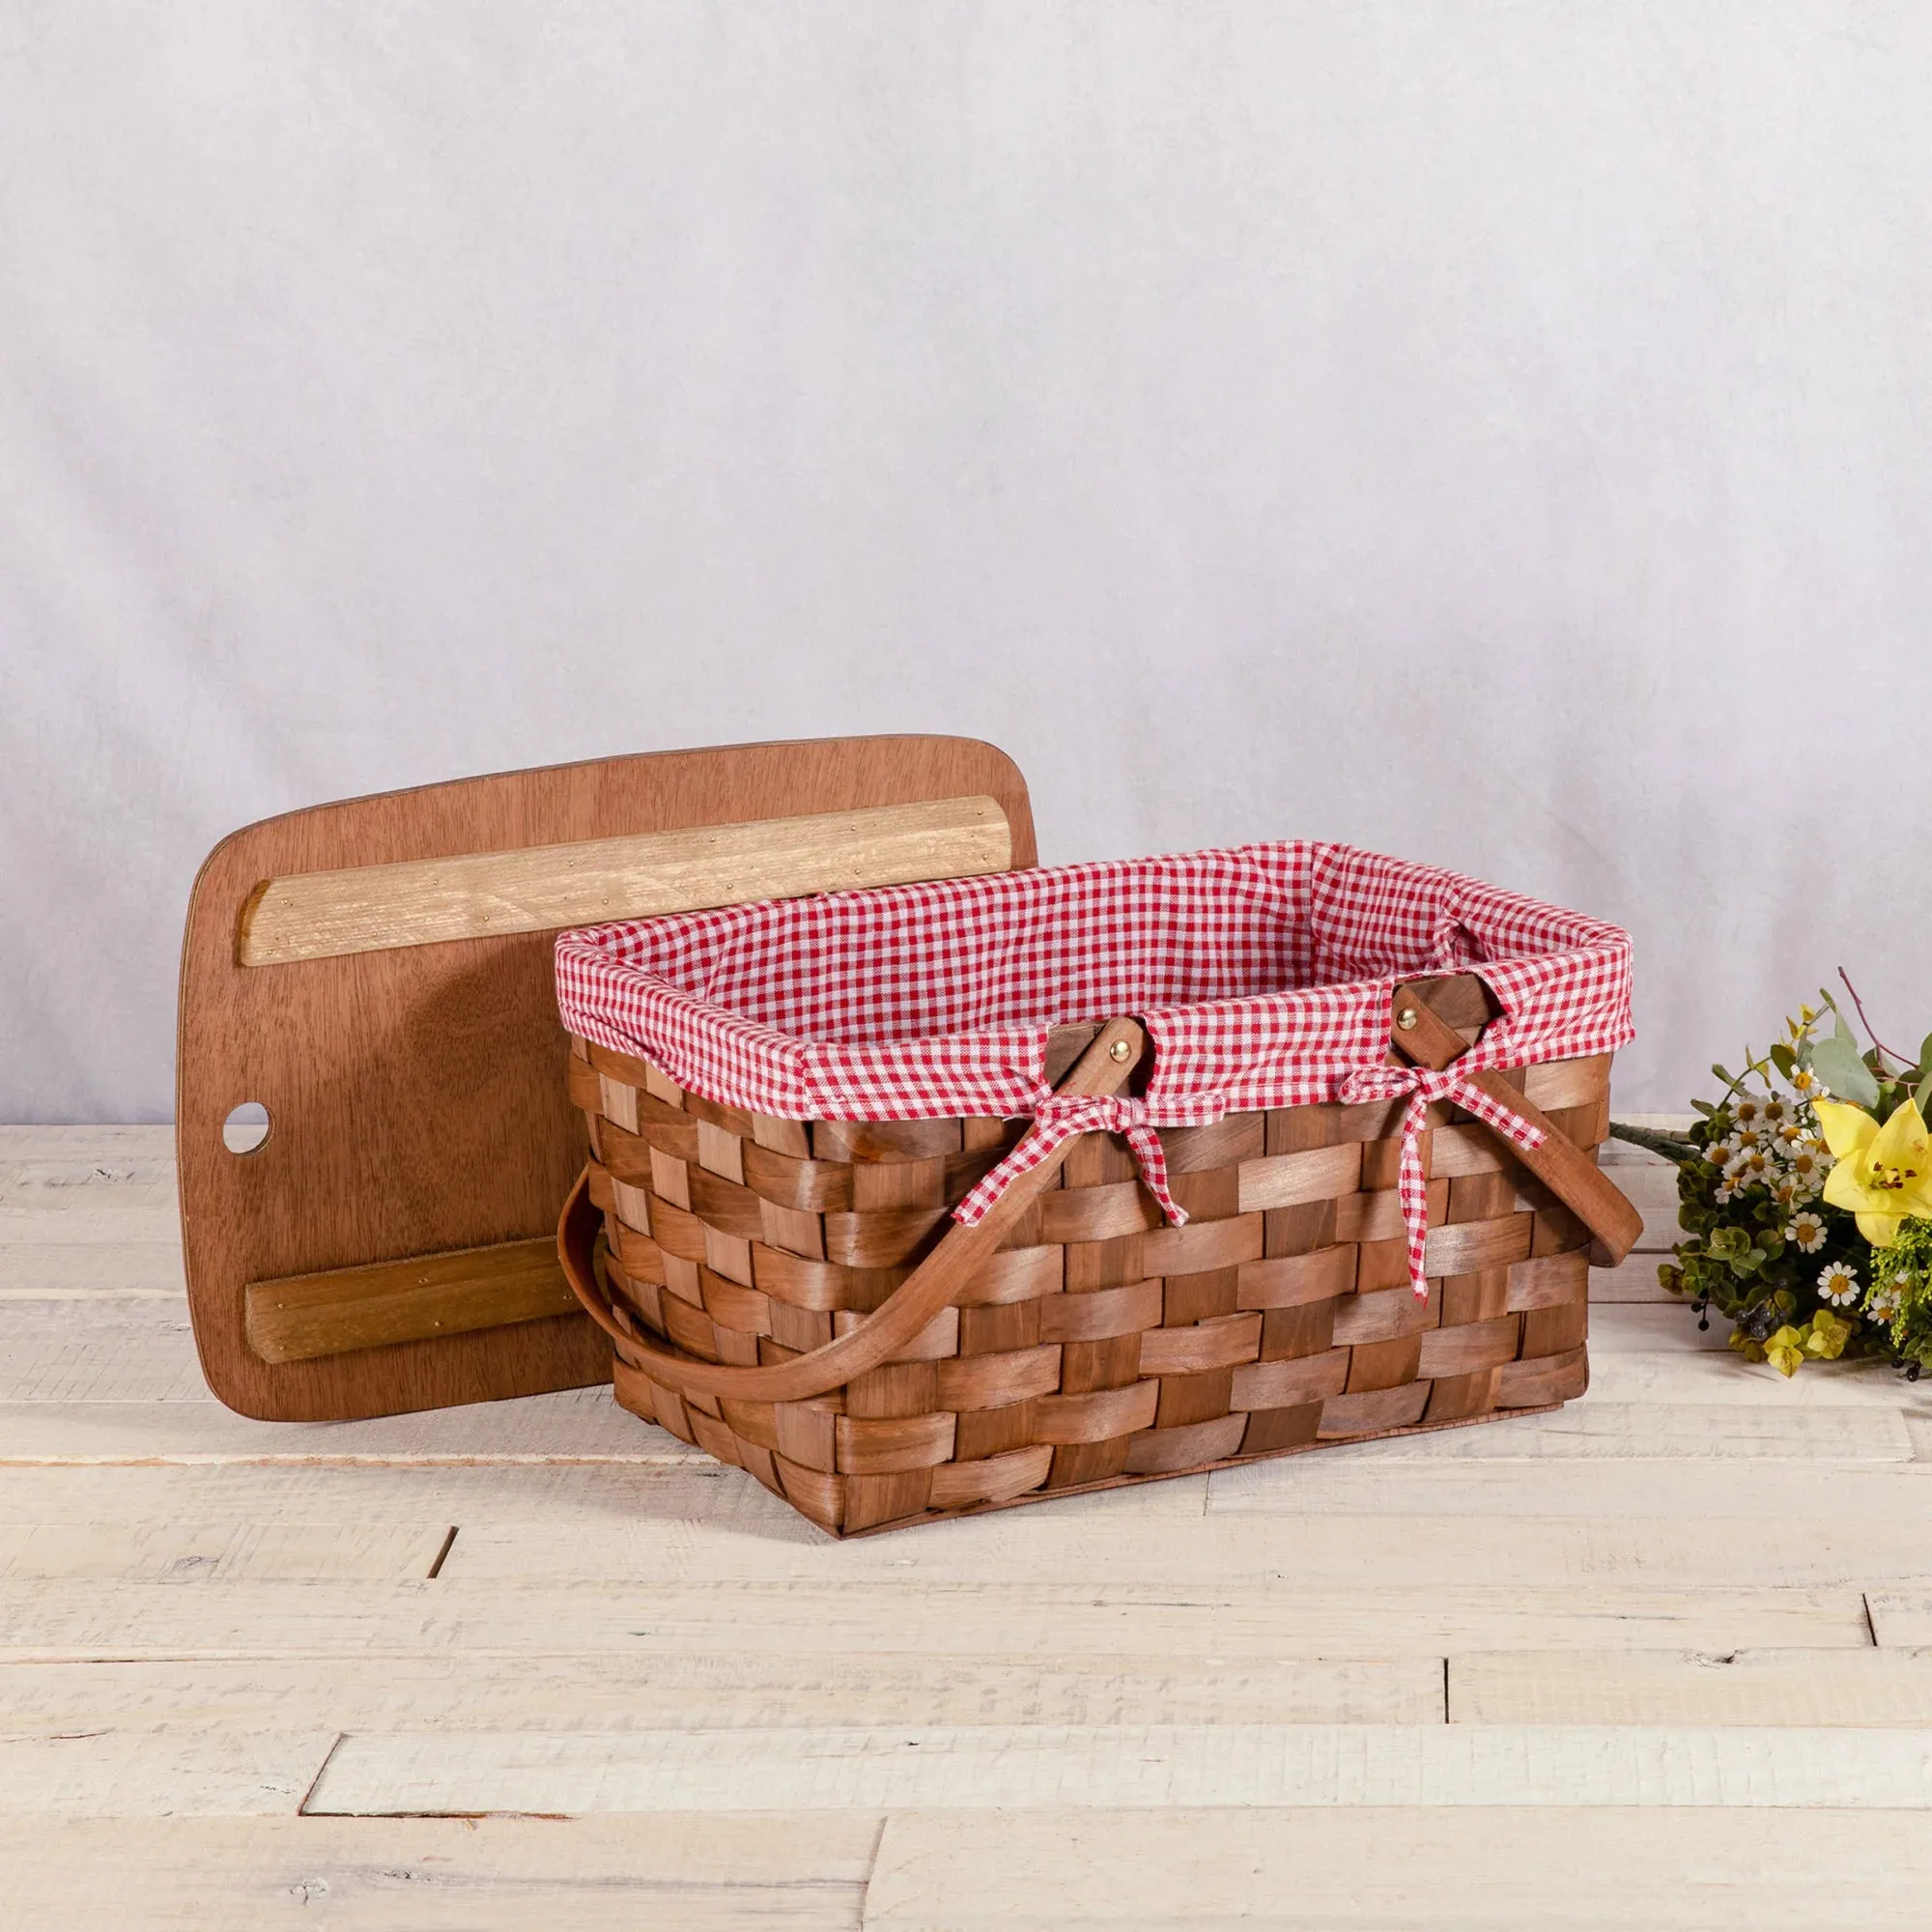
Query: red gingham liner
{"points": [[1422, 1085], [1262, 972]]}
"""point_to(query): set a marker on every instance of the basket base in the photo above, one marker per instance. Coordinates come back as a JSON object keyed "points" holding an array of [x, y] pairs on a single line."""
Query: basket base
{"points": [[1123, 1482], [1036, 1497]]}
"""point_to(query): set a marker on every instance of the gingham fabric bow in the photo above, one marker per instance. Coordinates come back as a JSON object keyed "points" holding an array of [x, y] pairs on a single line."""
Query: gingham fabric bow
{"points": [[1422, 1085], [1059, 1117]]}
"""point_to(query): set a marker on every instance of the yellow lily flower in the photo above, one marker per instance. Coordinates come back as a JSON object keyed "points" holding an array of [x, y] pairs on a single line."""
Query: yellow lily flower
{"points": [[1881, 1173]]}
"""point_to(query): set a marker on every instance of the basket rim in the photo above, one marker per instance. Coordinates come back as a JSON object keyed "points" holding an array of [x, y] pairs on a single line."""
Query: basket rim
{"points": [[724, 1000]]}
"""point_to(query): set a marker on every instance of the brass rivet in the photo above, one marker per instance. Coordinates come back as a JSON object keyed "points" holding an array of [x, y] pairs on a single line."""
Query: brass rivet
{"points": [[1407, 1019], [1120, 1050]]}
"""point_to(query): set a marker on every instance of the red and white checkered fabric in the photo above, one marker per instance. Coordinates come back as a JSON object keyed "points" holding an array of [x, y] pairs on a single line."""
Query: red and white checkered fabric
{"points": [[1422, 1085], [1059, 1118], [1261, 974]]}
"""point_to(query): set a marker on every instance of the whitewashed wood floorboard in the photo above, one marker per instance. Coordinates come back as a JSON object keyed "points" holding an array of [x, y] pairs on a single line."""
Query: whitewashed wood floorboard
{"points": [[1450, 1870], [681, 1874], [999, 1767], [92, 1187], [1657, 1487], [1633, 1279], [1249, 1550], [87, 1143], [133, 1774], [205, 1553], [55, 1622], [87, 1212], [1867, 1688], [574, 1425], [1807, 1687], [85, 1270], [51, 1218], [713, 1689], [117, 1348], [1902, 1617]]}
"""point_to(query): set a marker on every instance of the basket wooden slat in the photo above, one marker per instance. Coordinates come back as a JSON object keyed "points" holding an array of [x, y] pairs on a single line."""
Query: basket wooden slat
{"points": [[1095, 1345]]}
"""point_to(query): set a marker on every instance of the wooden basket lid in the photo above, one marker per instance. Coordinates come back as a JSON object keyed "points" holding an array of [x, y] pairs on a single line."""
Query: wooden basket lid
{"points": [[376, 973]]}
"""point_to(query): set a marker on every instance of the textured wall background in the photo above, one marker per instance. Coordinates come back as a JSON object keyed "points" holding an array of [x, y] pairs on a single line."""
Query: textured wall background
{"points": [[1497, 434]]}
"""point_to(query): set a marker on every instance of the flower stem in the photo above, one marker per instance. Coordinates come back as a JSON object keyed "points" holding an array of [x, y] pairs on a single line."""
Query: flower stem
{"points": [[1669, 1146], [1863, 1015]]}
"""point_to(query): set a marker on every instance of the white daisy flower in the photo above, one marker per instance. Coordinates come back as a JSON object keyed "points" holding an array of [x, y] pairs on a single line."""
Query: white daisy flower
{"points": [[1745, 1137], [1774, 1113], [1751, 1167], [1807, 1231], [1806, 1085], [1727, 1189], [1838, 1284], [1886, 1302], [1718, 1153], [1746, 1110], [1809, 1166], [1787, 1135]]}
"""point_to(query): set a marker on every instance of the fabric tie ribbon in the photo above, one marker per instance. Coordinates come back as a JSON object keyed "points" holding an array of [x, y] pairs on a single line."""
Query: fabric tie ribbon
{"points": [[1423, 1085], [1059, 1117]]}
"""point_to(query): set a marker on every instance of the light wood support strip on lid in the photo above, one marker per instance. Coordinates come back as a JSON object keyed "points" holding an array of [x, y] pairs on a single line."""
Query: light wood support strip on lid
{"points": [[480, 895], [302, 1317]]}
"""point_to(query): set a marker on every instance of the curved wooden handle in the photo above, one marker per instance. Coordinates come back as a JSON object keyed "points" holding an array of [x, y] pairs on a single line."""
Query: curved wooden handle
{"points": [[931, 1287], [1559, 1163]]}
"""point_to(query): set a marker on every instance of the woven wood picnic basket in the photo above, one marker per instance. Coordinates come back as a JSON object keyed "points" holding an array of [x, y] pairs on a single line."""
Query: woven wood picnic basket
{"points": [[1096, 1282]]}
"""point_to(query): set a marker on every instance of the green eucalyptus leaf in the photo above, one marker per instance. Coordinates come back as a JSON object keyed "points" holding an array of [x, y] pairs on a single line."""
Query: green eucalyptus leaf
{"points": [[1837, 1064]]}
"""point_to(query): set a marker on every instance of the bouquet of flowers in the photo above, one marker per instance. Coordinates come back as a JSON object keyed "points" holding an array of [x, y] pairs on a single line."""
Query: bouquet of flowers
{"points": [[1804, 1195]]}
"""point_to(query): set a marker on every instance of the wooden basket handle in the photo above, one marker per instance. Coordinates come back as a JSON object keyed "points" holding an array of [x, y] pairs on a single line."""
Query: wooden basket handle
{"points": [[1104, 1068], [1419, 1035]]}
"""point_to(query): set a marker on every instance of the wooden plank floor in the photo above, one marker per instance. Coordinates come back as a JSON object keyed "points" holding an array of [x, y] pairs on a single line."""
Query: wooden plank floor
{"points": [[1663, 1658]]}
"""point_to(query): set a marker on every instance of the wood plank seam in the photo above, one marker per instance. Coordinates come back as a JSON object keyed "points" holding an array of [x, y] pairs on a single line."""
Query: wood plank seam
{"points": [[314, 1783]]}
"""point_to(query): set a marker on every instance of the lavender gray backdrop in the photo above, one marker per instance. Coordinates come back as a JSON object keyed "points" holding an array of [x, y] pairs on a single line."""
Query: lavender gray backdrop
{"points": [[1497, 434]]}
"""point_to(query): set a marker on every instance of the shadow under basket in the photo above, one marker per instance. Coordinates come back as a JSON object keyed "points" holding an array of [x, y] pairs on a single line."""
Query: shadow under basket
{"points": [[793, 1297]]}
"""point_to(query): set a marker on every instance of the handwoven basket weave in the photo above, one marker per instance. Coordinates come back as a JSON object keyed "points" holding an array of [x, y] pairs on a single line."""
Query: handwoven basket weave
{"points": [[792, 1297]]}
